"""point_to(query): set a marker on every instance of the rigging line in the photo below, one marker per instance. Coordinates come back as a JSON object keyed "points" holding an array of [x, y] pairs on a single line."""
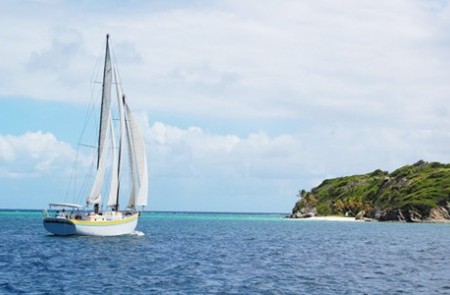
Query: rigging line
{"points": [[88, 115], [116, 65], [88, 145], [73, 179], [91, 106], [99, 82], [97, 66], [107, 186], [87, 182]]}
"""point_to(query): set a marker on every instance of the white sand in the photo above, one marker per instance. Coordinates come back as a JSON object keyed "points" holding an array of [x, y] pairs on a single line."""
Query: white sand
{"points": [[330, 218]]}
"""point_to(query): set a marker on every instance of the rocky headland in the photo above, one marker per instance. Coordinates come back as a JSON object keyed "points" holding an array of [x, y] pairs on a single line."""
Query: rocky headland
{"points": [[412, 193]]}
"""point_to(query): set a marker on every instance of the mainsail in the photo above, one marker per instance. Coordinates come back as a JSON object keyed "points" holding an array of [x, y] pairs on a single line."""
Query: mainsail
{"points": [[95, 195], [137, 147], [113, 192], [106, 100]]}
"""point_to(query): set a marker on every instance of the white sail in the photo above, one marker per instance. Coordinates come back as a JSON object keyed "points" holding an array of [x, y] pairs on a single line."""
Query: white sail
{"points": [[112, 199], [106, 100], [143, 190], [139, 159], [117, 159], [132, 161], [95, 195]]}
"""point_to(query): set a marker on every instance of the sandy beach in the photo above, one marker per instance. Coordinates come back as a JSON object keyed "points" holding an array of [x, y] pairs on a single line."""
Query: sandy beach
{"points": [[330, 218]]}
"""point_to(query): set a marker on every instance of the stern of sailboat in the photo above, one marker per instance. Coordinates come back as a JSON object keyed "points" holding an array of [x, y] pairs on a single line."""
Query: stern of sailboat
{"points": [[59, 226]]}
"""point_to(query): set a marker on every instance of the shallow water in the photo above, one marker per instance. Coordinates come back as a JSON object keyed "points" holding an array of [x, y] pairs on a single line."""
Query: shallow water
{"points": [[188, 253]]}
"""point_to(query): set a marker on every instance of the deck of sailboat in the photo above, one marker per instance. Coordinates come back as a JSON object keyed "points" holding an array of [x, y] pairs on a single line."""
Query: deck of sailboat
{"points": [[103, 218], [98, 219]]}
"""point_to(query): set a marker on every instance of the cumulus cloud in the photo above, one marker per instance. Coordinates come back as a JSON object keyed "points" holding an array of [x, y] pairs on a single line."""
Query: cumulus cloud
{"points": [[65, 46], [34, 154], [220, 170], [302, 157], [198, 153], [265, 171]]}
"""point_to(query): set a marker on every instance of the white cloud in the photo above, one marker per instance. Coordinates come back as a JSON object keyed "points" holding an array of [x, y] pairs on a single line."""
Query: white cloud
{"points": [[200, 170], [34, 154], [199, 153], [245, 59], [300, 158], [66, 45]]}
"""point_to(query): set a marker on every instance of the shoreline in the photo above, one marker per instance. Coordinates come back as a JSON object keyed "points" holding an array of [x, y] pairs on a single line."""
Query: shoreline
{"points": [[353, 219], [330, 218]]}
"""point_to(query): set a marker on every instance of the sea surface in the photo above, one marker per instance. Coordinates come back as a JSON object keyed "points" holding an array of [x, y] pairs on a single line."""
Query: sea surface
{"points": [[201, 253]]}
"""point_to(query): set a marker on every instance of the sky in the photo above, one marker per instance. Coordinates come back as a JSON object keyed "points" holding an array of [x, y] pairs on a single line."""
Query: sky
{"points": [[241, 103]]}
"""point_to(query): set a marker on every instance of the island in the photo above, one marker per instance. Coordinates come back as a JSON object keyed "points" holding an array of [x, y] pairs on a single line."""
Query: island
{"points": [[412, 193]]}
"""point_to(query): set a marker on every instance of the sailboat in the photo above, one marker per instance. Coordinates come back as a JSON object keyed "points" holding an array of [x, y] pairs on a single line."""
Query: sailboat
{"points": [[72, 219]]}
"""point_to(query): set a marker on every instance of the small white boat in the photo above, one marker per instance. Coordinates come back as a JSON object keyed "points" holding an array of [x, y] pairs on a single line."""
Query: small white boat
{"points": [[72, 219]]}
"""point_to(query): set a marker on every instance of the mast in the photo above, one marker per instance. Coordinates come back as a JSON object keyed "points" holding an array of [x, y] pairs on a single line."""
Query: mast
{"points": [[121, 145], [105, 122], [106, 100]]}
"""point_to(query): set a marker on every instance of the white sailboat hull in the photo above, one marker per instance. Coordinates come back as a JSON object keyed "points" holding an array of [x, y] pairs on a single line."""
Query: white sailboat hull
{"points": [[66, 226]]}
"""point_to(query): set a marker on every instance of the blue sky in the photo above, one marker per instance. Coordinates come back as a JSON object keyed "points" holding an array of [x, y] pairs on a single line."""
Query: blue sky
{"points": [[242, 103]]}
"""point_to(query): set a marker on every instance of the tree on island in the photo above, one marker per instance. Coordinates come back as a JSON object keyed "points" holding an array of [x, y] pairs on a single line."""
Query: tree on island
{"points": [[418, 192]]}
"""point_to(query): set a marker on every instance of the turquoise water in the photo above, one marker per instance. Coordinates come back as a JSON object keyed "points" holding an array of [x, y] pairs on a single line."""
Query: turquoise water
{"points": [[197, 253]]}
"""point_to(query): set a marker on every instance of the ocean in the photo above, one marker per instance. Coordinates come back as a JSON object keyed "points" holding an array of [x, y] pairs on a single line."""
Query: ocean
{"points": [[211, 253]]}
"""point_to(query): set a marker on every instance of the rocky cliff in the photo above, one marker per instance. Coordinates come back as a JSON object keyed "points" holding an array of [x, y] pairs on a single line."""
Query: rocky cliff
{"points": [[412, 193]]}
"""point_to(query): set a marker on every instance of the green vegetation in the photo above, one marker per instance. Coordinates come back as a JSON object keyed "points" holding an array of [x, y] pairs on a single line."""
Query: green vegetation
{"points": [[414, 188]]}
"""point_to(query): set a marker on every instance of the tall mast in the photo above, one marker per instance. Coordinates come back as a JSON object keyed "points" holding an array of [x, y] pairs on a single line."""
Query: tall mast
{"points": [[121, 144], [106, 100]]}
